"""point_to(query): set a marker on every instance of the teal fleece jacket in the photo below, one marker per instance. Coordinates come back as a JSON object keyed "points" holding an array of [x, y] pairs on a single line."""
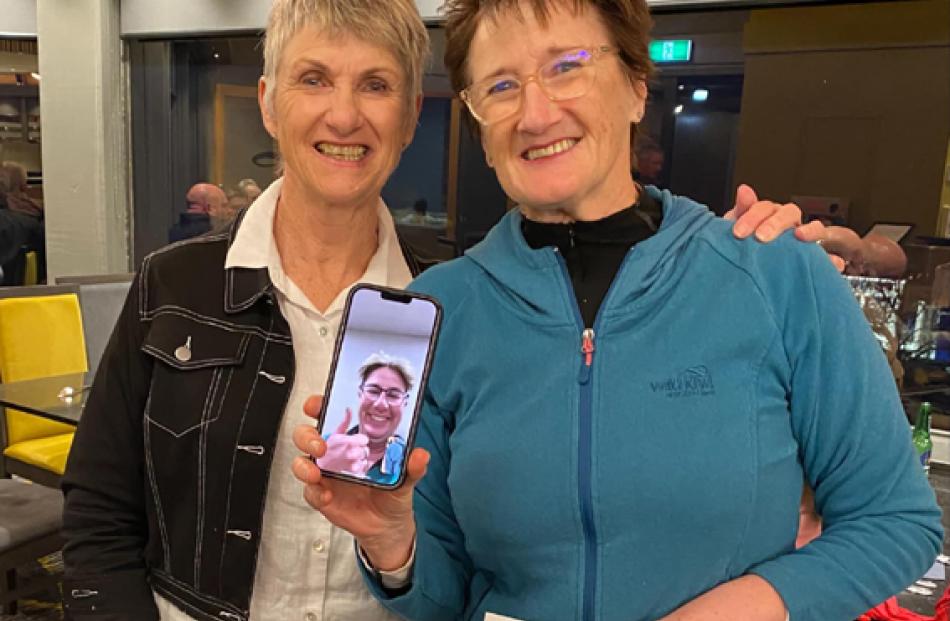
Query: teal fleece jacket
{"points": [[723, 374]]}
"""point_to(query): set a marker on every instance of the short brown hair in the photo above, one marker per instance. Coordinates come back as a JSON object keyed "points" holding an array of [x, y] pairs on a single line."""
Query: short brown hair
{"points": [[628, 22]]}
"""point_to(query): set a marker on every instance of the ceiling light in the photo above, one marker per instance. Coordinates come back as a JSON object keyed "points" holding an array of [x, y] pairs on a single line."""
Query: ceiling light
{"points": [[678, 109], [681, 87], [700, 94]]}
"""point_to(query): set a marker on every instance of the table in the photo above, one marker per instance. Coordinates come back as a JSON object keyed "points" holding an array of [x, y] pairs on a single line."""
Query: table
{"points": [[43, 396]]}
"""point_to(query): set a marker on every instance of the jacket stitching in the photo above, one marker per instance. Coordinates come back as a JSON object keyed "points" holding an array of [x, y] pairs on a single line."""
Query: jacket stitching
{"points": [[171, 309], [197, 595], [229, 304], [187, 607], [202, 463], [171, 360], [240, 430], [150, 468]]}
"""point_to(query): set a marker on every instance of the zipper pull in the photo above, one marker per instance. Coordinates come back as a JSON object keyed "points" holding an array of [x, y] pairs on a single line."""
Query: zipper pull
{"points": [[587, 346]]}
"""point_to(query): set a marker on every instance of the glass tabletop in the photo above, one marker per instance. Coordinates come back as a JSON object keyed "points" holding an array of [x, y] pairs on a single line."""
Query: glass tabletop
{"points": [[60, 398]]}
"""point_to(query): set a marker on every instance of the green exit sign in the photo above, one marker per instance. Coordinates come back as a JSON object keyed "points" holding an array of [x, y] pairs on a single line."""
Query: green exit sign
{"points": [[671, 50]]}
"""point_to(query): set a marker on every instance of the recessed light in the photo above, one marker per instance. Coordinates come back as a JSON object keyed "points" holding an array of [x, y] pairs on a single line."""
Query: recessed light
{"points": [[678, 109], [700, 94]]}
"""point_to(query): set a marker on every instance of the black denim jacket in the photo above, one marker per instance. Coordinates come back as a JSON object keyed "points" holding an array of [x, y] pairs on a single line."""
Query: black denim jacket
{"points": [[167, 477]]}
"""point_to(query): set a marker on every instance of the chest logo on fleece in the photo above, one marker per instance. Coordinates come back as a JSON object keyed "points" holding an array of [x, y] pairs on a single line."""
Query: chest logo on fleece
{"points": [[693, 382]]}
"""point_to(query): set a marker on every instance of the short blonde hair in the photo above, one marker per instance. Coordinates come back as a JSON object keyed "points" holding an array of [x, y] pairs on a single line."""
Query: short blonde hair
{"points": [[381, 359], [393, 24]]}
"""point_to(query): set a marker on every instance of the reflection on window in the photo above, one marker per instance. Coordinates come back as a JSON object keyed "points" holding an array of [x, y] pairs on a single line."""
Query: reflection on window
{"points": [[416, 191]]}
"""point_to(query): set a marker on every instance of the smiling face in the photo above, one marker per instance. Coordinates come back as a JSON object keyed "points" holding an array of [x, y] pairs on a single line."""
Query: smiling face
{"points": [[379, 418], [340, 114], [568, 156]]}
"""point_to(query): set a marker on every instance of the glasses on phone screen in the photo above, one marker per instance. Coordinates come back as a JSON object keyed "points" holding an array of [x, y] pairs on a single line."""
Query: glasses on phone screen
{"points": [[392, 396]]}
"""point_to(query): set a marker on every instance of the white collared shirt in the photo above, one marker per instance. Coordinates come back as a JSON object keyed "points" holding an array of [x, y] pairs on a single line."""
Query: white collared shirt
{"points": [[306, 568]]}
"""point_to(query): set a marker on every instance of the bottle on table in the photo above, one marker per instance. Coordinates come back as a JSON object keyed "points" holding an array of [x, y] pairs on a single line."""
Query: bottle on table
{"points": [[921, 436]]}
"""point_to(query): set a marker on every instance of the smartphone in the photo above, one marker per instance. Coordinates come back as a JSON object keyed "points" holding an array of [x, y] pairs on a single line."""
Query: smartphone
{"points": [[377, 380]]}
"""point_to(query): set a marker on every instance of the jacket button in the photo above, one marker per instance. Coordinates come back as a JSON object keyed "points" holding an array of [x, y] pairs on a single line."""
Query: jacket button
{"points": [[310, 617], [323, 331], [183, 353]]}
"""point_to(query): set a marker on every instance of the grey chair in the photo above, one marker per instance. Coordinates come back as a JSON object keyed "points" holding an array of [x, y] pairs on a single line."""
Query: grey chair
{"points": [[30, 525], [100, 300]]}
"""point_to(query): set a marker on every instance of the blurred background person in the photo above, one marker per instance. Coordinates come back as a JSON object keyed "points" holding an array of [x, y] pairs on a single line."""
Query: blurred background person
{"points": [[21, 227], [250, 189], [649, 164], [17, 198], [205, 201]]}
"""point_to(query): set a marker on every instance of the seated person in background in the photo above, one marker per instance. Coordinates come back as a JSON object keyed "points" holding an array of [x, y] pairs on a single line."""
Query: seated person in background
{"points": [[20, 232], [871, 255], [372, 448], [250, 189], [418, 214], [649, 163], [16, 196], [237, 201], [205, 201]]}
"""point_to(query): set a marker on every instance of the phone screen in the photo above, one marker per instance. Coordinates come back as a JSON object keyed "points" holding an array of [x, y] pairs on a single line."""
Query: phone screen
{"points": [[374, 395]]}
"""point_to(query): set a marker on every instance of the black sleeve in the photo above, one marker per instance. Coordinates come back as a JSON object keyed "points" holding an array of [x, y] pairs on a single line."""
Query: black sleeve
{"points": [[105, 522]]}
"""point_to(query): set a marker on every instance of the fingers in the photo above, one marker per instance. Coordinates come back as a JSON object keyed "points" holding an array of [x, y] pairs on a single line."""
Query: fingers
{"points": [[308, 440], [786, 217], [768, 220], [812, 232], [753, 218], [745, 199], [356, 453], [317, 496], [416, 465], [306, 471], [312, 405], [829, 238], [345, 425]]}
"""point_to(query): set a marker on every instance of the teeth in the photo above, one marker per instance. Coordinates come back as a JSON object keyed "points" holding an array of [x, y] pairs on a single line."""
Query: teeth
{"points": [[558, 147], [348, 153], [379, 419]]}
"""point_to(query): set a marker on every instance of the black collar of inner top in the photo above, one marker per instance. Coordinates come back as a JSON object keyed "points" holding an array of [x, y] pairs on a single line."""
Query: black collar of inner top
{"points": [[625, 227]]}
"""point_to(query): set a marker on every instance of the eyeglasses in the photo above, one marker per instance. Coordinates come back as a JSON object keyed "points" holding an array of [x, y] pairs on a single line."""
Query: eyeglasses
{"points": [[393, 396], [568, 76]]}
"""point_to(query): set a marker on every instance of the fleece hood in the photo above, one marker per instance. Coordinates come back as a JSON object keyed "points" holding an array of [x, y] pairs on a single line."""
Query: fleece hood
{"points": [[536, 277]]}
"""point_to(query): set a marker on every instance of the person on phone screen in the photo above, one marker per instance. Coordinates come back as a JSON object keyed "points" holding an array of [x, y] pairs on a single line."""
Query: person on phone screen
{"points": [[372, 448]]}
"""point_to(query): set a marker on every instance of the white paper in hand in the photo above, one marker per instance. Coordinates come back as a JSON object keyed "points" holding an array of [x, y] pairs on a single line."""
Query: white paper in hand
{"points": [[490, 616]]}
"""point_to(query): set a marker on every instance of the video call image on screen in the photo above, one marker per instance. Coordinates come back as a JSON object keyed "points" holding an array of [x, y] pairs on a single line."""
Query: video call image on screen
{"points": [[376, 386]]}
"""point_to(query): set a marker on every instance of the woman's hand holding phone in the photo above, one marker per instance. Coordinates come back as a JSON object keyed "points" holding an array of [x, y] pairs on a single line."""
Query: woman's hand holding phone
{"points": [[381, 520]]}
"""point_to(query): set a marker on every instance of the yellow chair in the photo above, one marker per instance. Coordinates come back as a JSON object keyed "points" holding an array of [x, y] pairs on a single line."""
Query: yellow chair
{"points": [[31, 269], [40, 335]]}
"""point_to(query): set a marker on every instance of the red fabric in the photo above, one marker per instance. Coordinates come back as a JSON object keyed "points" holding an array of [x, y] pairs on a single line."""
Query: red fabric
{"points": [[891, 611]]}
